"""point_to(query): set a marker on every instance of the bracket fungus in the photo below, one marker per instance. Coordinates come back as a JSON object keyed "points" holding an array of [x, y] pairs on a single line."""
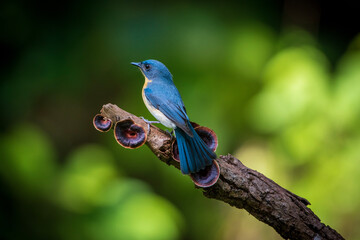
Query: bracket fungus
{"points": [[208, 136], [129, 134], [206, 177], [102, 123], [175, 151]]}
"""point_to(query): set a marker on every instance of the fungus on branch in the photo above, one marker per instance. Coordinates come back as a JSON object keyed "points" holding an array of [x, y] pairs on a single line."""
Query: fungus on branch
{"points": [[206, 177], [132, 135], [102, 123], [129, 134]]}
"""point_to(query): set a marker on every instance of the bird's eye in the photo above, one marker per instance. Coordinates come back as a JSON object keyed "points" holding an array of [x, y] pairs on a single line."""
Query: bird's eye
{"points": [[147, 66]]}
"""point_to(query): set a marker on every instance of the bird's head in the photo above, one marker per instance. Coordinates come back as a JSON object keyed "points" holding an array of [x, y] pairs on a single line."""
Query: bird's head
{"points": [[153, 70]]}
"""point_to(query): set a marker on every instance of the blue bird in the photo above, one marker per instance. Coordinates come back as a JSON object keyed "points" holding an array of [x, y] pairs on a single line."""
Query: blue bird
{"points": [[164, 102]]}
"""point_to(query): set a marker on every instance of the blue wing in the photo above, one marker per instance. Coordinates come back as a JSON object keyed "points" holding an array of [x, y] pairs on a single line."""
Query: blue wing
{"points": [[173, 110], [193, 152]]}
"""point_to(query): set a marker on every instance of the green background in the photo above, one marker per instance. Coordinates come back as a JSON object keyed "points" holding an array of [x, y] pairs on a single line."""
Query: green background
{"points": [[279, 86]]}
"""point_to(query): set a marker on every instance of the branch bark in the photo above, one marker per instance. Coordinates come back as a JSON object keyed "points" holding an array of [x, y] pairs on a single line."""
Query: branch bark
{"points": [[243, 188]]}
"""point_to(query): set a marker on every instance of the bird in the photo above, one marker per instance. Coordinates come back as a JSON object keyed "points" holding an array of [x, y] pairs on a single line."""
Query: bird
{"points": [[163, 100]]}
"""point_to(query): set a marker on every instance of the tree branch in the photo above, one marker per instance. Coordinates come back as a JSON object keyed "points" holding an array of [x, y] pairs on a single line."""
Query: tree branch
{"points": [[243, 187]]}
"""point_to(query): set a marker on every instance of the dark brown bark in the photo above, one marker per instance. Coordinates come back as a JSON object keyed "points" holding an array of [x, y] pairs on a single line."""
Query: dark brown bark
{"points": [[243, 187]]}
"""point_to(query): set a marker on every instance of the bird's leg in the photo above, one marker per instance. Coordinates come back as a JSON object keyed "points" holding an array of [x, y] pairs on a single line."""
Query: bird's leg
{"points": [[171, 133], [149, 122]]}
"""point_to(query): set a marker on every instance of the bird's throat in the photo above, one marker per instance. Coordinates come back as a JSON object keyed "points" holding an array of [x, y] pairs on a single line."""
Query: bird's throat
{"points": [[147, 81]]}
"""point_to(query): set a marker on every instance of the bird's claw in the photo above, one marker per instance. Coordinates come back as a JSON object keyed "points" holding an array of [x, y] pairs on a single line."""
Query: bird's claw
{"points": [[171, 133], [148, 123]]}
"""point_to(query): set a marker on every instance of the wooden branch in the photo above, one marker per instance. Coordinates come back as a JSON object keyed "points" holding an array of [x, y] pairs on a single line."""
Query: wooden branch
{"points": [[243, 187]]}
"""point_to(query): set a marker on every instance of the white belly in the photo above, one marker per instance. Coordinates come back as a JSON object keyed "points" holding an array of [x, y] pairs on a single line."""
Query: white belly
{"points": [[157, 114]]}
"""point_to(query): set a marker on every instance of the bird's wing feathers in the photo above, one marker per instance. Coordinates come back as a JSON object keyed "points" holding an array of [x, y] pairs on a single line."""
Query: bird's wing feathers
{"points": [[174, 111]]}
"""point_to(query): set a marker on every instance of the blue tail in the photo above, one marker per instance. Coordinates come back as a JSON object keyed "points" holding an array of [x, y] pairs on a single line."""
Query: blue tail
{"points": [[194, 154]]}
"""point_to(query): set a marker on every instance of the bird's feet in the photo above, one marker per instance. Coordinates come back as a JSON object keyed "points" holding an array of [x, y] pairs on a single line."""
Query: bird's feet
{"points": [[149, 122], [171, 133]]}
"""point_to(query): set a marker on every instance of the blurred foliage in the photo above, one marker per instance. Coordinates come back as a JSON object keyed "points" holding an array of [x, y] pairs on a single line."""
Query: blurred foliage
{"points": [[272, 94]]}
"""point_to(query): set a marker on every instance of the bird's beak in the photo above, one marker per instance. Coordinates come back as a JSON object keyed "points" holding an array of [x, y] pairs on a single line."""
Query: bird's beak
{"points": [[136, 64]]}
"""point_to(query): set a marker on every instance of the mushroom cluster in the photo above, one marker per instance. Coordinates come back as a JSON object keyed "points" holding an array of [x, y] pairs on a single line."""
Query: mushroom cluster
{"points": [[127, 133], [131, 135]]}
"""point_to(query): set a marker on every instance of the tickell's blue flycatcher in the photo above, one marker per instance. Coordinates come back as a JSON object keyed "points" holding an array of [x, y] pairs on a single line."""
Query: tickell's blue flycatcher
{"points": [[163, 100]]}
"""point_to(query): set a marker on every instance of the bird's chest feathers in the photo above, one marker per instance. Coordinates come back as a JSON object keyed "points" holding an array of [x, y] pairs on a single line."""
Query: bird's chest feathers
{"points": [[155, 112], [147, 104]]}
